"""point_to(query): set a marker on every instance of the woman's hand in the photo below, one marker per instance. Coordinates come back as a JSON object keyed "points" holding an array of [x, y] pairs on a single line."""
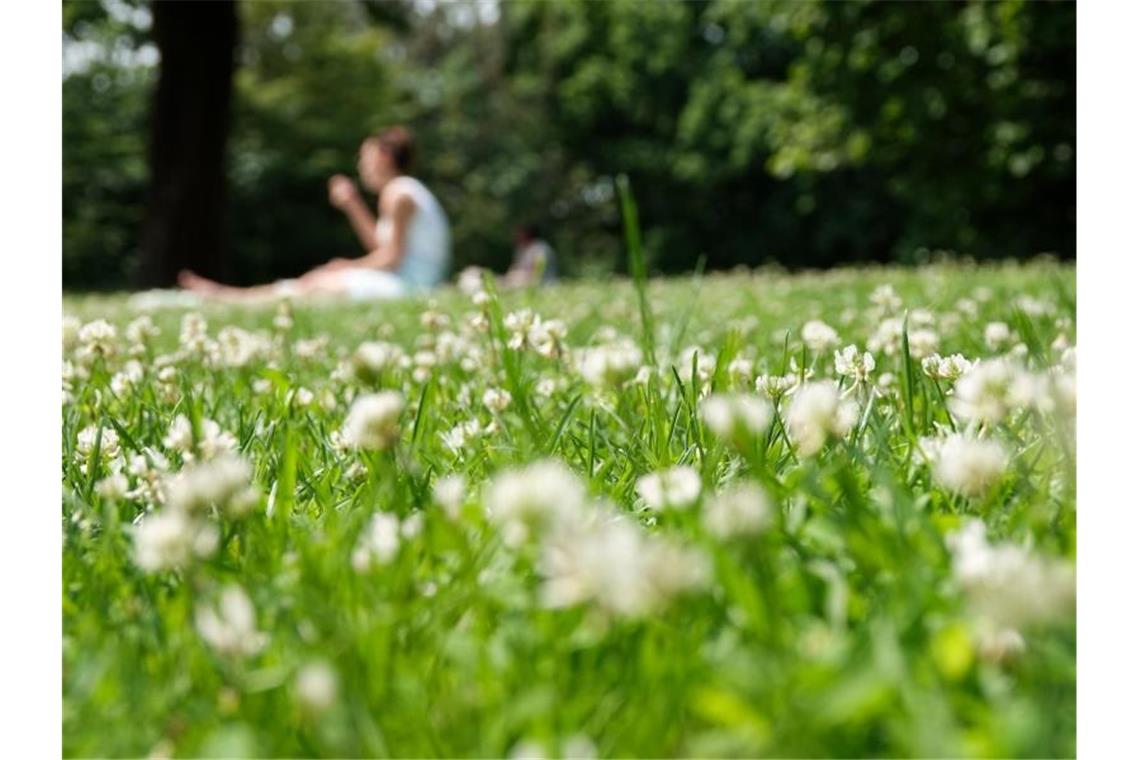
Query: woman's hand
{"points": [[342, 191]]}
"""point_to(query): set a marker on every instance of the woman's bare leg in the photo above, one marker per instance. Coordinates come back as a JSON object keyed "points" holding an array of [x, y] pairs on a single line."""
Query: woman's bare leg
{"points": [[310, 283]]}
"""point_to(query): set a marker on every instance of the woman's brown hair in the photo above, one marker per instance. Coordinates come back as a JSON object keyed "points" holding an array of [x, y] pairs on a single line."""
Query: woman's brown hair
{"points": [[397, 142]]}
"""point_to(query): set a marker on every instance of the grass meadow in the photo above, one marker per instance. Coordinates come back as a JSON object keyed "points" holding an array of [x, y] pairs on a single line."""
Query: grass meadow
{"points": [[748, 514]]}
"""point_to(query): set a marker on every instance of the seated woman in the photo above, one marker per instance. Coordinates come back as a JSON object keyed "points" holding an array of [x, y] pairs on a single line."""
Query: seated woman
{"points": [[408, 249]]}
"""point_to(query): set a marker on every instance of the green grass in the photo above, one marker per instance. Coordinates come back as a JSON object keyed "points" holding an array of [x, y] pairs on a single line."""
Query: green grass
{"points": [[841, 628]]}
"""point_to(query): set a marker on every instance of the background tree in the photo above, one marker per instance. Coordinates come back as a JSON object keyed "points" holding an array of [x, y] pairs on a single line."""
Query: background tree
{"points": [[190, 122]]}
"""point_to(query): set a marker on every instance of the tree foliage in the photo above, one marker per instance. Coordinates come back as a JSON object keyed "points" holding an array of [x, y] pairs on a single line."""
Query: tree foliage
{"points": [[804, 133]]}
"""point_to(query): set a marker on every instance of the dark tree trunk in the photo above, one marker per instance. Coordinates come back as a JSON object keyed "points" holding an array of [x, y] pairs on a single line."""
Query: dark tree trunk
{"points": [[190, 118]]}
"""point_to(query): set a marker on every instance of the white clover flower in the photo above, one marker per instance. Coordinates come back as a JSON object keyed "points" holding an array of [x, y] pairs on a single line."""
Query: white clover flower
{"points": [[127, 378], [311, 348], [536, 496], [885, 297], [609, 365], [193, 337], [946, 367], [372, 358], [999, 646], [457, 438], [373, 420], [434, 320], [644, 374], [113, 487], [998, 335], [546, 387], [236, 347], [1031, 391], [776, 387], [967, 465], [449, 492], [546, 336], [97, 339], [171, 539], [967, 306], [611, 562], [108, 443], [850, 363], [1034, 307], [887, 337], [470, 281], [518, 325], [222, 483], [230, 626], [283, 319], [579, 747], [982, 394], [923, 342], [300, 397], [71, 327], [412, 525], [728, 415], [1065, 393], [180, 437], [379, 542], [140, 331], [817, 411], [496, 399], [527, 749], [742, 369], [1008, 586], [316, 686], [819, 336], [743, 509], [214, 441], [675, 488], [706, 364]]}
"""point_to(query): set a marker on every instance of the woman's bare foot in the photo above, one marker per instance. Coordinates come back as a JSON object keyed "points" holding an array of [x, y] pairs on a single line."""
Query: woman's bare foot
{"points": [[196, 283]]}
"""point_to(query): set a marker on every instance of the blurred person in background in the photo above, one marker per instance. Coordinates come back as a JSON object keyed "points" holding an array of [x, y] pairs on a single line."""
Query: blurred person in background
{"points": [[407, 243], [534, 260]]}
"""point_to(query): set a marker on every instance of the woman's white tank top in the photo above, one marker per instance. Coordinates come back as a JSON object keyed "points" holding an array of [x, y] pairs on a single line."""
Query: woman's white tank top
{"points": [[427, 252]]}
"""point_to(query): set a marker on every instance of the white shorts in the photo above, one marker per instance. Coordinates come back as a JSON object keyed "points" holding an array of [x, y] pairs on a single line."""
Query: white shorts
{"points": [[372, 284], [358, 284]]}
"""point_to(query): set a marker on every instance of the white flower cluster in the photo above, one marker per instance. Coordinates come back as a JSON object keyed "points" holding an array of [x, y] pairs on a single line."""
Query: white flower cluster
{"points": [[819, 336], [850, 363], [229, 627], [733, 416], [1008, 587], [373, 358], [776, 387], [923, 341], [610, 364], [172, 537], [380, 541], [675, 488], [607, 559], [816, 413], [214, 440], [590, 553], [743, 509], [533, 498], [994, 388], [965, 464], [373, 421], [528, 330], [951, 367]]}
